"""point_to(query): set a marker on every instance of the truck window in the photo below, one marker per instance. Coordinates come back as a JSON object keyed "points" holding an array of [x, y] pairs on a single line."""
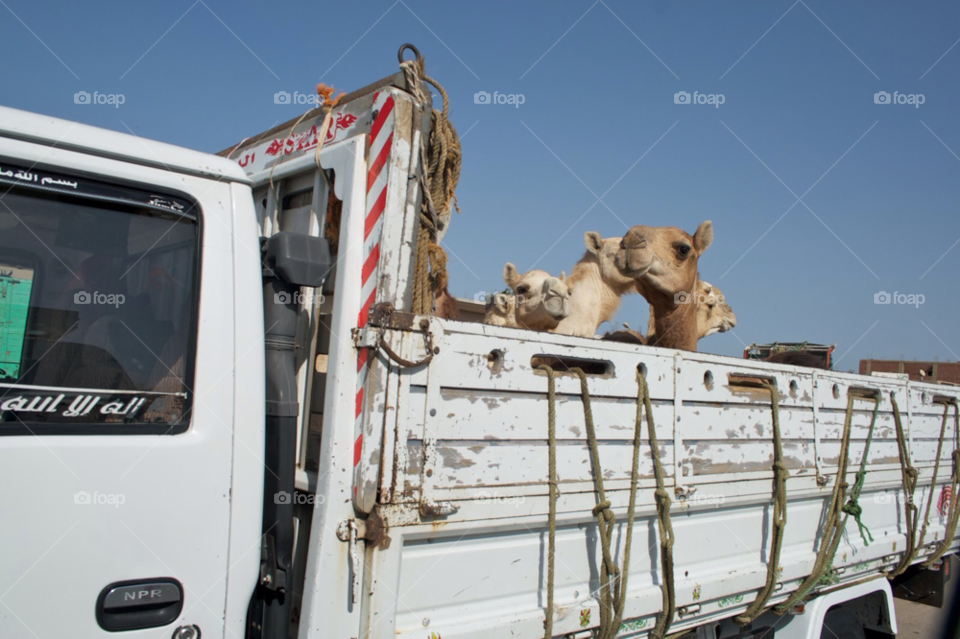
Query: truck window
{"points": [[98, 299]]}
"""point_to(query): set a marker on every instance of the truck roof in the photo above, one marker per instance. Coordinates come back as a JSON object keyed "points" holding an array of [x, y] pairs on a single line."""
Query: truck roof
{"points": [[64, 134]]}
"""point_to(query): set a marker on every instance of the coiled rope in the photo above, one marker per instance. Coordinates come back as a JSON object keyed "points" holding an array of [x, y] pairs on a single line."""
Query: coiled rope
{"points": [[440, 161], [779, 520], [834, 524]]}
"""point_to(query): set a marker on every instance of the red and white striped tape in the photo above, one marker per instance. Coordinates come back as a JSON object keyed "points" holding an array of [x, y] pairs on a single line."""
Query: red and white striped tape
{"points": [[380, 141]]}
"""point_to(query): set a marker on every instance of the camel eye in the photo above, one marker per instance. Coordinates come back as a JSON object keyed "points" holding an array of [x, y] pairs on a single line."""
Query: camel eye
{"points": [[523, 290], [683, 250]]}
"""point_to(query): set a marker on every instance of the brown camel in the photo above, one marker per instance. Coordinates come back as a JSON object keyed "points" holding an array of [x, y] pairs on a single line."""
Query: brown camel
{"points": [[663, 261], [444, 304], [714, 315]]}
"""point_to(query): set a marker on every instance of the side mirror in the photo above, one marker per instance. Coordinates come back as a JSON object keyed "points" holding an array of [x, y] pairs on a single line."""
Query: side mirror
{"points": [[297, 259]]}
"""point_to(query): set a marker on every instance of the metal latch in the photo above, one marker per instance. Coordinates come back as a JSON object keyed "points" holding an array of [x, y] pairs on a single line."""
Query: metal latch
{"points": [[347, 531], [431, 508]]}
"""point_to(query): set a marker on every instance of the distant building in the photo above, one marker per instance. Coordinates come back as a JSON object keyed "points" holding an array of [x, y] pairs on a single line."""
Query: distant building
{"points": [[470, 310], [933, 372]]}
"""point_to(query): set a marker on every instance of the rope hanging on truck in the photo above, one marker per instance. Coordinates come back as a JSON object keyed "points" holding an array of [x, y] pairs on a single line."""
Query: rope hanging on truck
{"points": [[612, 593], [909, 479], [439, 173], [663, 514], [834, 524], [611, 583], [554, 489], [951, 527], [779, 519]]}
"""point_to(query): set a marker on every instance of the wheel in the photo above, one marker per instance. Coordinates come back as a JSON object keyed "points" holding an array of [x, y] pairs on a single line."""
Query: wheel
{"points": [[840, 623]]}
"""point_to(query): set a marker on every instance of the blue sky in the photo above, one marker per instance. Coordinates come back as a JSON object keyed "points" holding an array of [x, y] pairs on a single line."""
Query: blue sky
{"points": [[599, 142]]}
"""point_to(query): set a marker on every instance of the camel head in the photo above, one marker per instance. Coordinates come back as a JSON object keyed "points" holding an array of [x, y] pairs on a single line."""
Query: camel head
{"points": [[605, 251], [500, 310], [663, 260], [714, 315], [541, 299]]}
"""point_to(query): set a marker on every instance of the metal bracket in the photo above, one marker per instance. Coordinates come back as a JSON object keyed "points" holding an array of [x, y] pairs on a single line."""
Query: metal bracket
{"points": [[271, 576], [368, 337], [347, 531], [684, 492], [684, 611]]}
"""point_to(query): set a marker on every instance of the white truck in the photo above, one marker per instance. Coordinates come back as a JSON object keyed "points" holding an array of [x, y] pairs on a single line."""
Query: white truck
{"points": [[216, 422]]}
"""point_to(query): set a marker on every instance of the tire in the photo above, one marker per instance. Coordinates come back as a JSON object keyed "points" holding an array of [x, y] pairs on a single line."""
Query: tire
{"points": [[840, 623]]}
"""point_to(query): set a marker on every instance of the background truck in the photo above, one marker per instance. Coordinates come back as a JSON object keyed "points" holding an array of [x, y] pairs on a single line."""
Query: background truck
{"points": [[219, 417]]}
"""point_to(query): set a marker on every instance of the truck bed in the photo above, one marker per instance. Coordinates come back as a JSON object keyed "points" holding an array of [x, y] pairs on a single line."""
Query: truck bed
{"points": [[468, 433]]}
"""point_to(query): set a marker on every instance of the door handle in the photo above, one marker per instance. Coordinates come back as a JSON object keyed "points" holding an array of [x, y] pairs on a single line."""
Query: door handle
{"points": [[141, 603]]}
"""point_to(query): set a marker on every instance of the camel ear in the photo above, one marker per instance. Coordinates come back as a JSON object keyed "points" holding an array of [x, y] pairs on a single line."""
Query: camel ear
{"points": [[510, 275], [593, 241], [703, 237], [563, 277]]}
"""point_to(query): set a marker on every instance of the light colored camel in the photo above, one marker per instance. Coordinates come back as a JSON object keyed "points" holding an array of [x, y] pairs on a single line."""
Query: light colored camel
{"points": [[663, 261], [714, 315], [542, 301], [500, 310], [596, 286]]}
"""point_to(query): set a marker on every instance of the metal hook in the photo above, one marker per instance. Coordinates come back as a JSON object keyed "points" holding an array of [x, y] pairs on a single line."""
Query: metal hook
{"points": [[416, 53]]}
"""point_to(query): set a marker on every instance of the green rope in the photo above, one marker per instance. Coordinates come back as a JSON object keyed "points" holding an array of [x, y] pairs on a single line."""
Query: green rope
{"points": [[951, 527], [780, 475], [852, 507], [833, 524], [554, 489], [663, 514], [909, 481]]}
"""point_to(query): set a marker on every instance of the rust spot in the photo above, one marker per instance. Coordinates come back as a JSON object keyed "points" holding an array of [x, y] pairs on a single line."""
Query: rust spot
{"points": [[376, 531]]}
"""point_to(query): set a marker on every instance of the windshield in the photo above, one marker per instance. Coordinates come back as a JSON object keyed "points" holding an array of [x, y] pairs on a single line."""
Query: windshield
{"points": [[97, 303]]}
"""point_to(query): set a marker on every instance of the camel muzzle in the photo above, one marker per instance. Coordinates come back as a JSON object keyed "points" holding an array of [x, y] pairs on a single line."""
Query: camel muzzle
{"points": [[555, 300]]}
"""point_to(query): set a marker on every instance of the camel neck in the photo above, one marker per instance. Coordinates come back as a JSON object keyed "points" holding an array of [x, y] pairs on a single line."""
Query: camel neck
{"points": [[675, 325], [592, 299]]}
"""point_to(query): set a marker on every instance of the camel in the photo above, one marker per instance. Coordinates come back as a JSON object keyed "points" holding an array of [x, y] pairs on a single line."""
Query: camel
{"points": [[444, 304], [500, 310], [714, 315], [663, 261], [542, 301], [596, 286]]}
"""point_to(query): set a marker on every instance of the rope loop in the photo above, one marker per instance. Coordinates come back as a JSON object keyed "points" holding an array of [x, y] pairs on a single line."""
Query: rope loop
{"points": [[779, 516]]}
